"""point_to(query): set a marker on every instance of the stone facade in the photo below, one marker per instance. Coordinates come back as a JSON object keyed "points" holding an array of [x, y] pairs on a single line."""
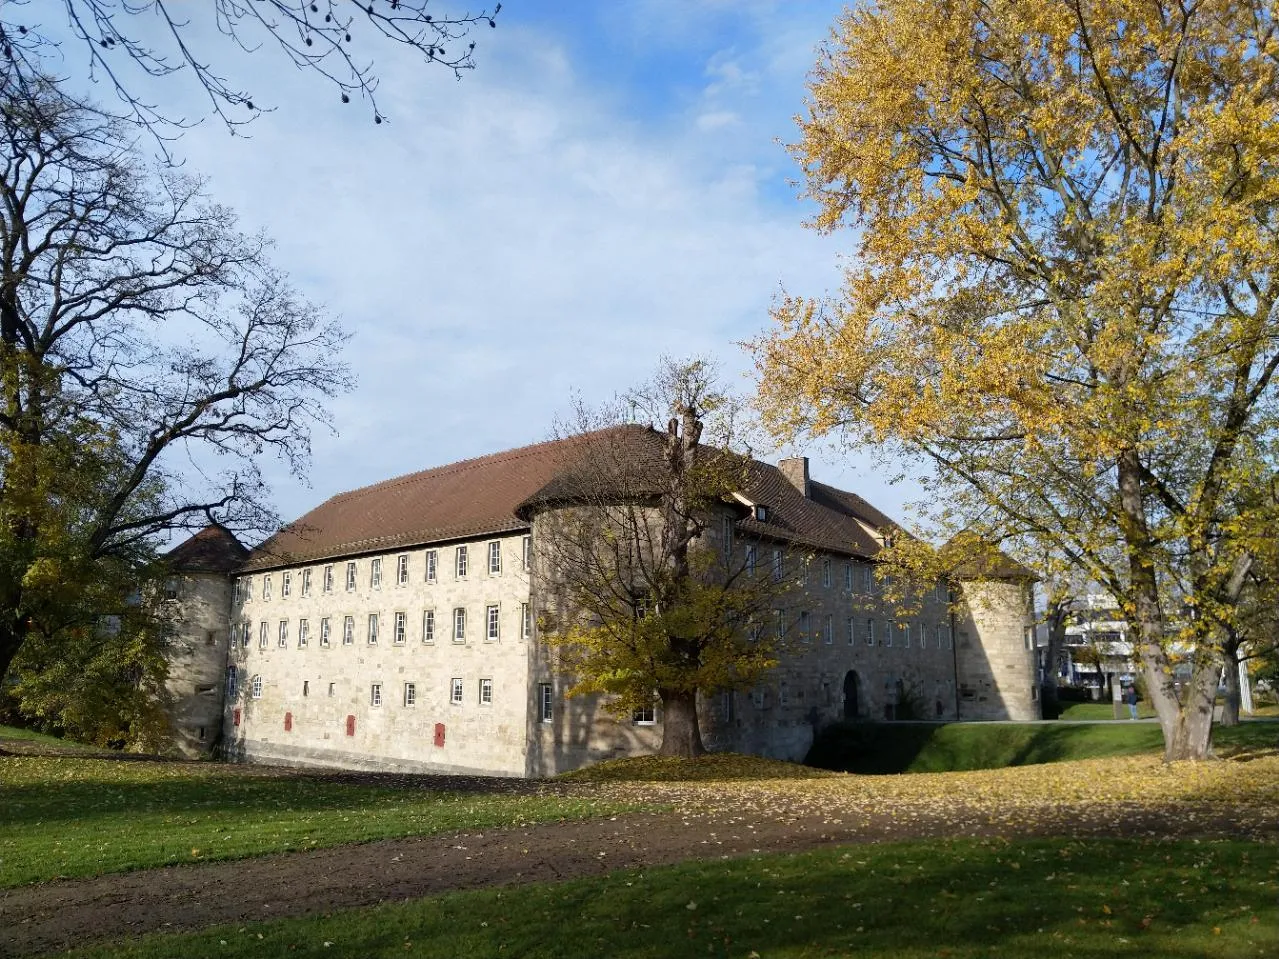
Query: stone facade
{"points": [[308, 681], [196, 605]]}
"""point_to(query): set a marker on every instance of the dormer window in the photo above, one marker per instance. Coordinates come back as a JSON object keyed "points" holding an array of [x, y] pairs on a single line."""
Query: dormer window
{"points": [[761, 513]]}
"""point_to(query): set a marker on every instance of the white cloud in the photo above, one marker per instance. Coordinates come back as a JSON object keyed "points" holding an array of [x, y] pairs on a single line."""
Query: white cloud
{"points": [[507, 239]]}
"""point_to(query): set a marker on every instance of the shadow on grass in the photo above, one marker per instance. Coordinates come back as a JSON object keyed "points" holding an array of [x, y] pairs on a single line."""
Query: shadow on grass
{"points": [[1097, 900]]}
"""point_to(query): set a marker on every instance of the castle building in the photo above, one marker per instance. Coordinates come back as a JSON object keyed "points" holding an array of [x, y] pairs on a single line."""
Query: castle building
{"points": [[396, 627]]}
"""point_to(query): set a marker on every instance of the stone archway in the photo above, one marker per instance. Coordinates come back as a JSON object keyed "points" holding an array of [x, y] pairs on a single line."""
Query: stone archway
{"points": [[852, 708]]}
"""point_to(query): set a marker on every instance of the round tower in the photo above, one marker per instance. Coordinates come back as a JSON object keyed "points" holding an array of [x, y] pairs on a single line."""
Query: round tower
{"points": [[996, 664]]}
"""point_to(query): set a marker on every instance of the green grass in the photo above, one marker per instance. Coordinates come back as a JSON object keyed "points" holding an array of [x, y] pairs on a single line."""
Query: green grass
{"points": [[66, 816], [1035, 899], [27, 735], [1080, 712], [879, 748]]}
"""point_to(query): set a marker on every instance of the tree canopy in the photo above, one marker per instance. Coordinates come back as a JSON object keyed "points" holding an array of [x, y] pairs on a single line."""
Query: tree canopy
{"points": [[1062, 294], [149, 356]]}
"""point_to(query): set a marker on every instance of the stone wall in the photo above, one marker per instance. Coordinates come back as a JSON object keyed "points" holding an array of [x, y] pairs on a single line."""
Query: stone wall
{"points": [[316, 703]]}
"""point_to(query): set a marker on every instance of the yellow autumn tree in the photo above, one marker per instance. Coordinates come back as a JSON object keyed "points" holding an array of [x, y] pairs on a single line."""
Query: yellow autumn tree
{"points": [[1062, 293]]}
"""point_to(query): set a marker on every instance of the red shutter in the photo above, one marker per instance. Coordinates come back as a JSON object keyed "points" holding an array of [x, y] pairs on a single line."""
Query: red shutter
{"points": [[439, 734], [235, 716], [350, 725], [288, 722]]}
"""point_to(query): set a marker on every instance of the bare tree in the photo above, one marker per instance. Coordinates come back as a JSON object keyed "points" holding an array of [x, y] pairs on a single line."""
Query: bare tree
{"points": [[650, 597], [125, 44], [149, 354]]}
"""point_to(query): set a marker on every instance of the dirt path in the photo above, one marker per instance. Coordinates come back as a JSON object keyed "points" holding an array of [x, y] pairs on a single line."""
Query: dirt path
{"points": [[59, 915]]}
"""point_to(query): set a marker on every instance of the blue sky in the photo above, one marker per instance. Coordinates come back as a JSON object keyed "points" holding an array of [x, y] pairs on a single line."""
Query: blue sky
{"points": [[607, 187]]}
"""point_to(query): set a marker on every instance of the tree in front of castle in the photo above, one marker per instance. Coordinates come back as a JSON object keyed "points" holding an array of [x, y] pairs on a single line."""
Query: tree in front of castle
{"points": [[646, 607]]}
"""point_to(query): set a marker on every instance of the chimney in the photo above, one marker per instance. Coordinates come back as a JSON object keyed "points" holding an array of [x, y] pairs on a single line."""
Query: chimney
{"points": [[795, 469]]}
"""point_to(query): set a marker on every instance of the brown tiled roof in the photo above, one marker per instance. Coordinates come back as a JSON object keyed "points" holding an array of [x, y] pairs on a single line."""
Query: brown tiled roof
{"points": [[500, 493], [212, 550]]}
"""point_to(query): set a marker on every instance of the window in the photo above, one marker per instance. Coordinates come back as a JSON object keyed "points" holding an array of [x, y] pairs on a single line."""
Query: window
{"points": [[304, 633], [493, 621], [728, 705], [328, 579], [728, 537], [255, 687], [402, 570], [428, 625], [780, 616], [783, 695], [848, 577], [306, 687], [753, 630], [170, 589], [375, 573], [401, 629], [870, 632], [263, 635], [350, 577], [372, 629], [459, 625], [348, 630], [528, 553], [232, 682], [375, 694], [545, 704], [266, 587], [495, 558], [644, 716], [333, 689], [888, 633], [750, 560], [777, 566], [455, 694], [939, 637], [868, 579], [852, 631], [324, 632], [306, 582], [940, 591], [247, 588], [761, 513], [486, 692], [459, 564], [905, 628], [805, 625], [284, 634], [410, 694], [829, 632], [286, 585], [246, 635], [759, 697], [826, 575], [431, 560], [1028, 638], [526, 621]]}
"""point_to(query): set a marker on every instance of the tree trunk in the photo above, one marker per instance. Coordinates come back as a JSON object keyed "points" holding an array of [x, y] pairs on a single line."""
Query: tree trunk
{"points": [[1051, 706], [681, 733], [12, 637], [1186, 725], [1234, 695]]}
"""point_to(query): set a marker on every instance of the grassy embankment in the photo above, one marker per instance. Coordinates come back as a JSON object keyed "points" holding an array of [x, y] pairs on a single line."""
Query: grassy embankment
{"points": [[1034, 899], [946, 747]]}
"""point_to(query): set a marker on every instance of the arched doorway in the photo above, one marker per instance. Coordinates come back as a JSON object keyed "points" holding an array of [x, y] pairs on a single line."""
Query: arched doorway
{"points": [[851, 709]]}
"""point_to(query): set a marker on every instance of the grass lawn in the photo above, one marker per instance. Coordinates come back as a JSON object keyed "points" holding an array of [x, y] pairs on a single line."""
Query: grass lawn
{"points": [[27, 735], [1079, 712], [1040, 899], [945, 747], [65, 816]]}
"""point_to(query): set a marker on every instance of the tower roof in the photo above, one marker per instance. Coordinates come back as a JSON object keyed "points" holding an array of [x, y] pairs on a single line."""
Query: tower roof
{"points": [[213, 549]]}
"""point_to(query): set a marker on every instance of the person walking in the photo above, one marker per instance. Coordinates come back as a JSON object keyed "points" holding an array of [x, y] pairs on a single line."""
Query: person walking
{"points": [[1130, 698]]}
